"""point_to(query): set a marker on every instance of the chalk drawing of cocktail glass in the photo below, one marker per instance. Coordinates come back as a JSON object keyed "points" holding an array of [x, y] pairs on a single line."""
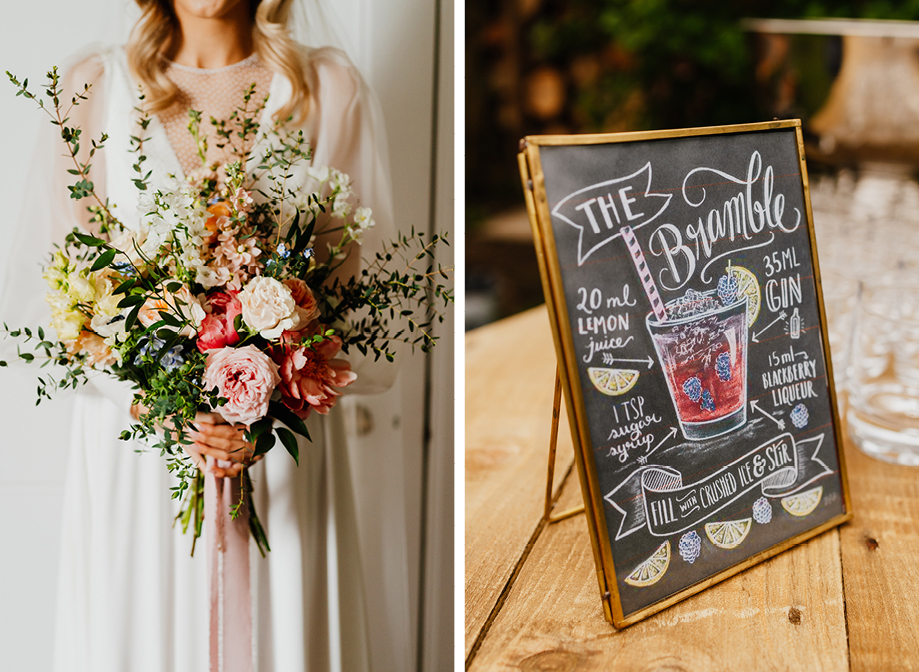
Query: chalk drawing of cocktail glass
{"points": [[701, 345]]}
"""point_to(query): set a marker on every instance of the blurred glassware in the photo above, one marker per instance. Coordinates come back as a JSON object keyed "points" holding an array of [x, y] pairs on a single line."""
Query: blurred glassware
{"points": [[840, 293], [855, 83], [883, 374]]}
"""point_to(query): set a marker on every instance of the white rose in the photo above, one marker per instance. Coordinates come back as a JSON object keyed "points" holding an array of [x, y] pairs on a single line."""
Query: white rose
{"points": [[181, 304], [109, 326], [192, 310], [127, 241], [268, 307]]}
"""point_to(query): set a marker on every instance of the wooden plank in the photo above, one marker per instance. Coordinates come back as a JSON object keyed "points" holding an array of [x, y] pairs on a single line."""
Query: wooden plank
{"points": [[510, 379], [879, 550], [784, 614]]}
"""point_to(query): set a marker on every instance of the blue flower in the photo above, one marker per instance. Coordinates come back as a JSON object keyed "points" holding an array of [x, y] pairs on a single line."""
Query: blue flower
{"points": [[283, 252], [723, 366], [125, 268], [171, 359], [307, 253]]}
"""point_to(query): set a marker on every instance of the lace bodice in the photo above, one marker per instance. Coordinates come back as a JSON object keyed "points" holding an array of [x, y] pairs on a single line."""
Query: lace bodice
{"points": [[216, 94]]}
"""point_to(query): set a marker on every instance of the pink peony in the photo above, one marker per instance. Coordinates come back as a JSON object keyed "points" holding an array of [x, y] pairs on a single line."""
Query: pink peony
{"points": [[309, 376], [246, 377], [217, 329]]}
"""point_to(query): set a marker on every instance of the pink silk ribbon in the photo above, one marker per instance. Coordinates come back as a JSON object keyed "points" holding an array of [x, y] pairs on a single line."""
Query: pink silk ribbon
{"points": [[231, 600]]}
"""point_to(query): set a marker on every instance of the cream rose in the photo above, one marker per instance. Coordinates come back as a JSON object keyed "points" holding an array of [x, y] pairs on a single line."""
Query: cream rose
{"points": [[268, 307]]}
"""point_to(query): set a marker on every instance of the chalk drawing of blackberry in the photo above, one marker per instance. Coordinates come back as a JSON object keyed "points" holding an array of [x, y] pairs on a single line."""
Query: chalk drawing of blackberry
{"points": [[799, 416], [693, 388], [723, 366], [762, 511], [727, 289], [708, 404], [690, 546]]}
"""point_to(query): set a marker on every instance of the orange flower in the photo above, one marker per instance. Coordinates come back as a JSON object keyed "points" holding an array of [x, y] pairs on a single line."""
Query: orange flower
{"points": [[217, 210], [307, 306], [150, 312], [91, 345]]}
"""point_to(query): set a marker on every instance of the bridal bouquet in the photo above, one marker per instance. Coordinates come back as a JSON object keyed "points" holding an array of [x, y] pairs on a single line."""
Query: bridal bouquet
{"points": [[225, 297]]}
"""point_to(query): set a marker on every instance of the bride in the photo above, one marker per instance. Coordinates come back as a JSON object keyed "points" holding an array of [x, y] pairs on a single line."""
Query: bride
{"points": [[130, 597]]}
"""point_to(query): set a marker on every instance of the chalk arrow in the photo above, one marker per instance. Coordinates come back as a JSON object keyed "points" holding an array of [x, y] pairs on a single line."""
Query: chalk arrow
{"points": [[762, 331], [754, 406], [609, 360], [669, 436]]}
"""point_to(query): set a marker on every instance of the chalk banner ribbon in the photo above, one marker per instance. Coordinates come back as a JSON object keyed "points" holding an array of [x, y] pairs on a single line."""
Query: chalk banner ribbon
{"points": [[600, 210], [655, 497]]}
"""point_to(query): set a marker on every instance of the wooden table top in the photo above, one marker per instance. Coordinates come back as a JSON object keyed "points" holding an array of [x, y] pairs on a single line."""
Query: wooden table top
{"points": [[846, 600]]}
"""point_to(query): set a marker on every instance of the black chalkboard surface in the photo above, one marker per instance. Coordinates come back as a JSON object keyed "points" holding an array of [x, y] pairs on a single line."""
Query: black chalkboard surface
{"points": [[682, 281]]}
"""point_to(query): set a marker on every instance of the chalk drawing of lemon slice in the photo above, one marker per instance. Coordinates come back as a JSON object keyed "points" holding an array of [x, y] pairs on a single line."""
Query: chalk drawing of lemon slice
{"points": [[651, 570], [747, 286], [803, 503], [729, 534], [613, 381]]}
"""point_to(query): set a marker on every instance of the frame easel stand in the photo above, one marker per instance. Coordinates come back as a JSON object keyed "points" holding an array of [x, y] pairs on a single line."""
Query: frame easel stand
{"points": [[553, 445]]}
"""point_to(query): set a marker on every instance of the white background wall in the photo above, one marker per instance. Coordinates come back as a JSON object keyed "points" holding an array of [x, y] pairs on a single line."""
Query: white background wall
{"points": [[405, 49]]}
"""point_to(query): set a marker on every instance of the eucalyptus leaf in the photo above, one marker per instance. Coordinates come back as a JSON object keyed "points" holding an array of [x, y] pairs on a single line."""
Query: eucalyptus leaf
{"points": [[104, 260]]}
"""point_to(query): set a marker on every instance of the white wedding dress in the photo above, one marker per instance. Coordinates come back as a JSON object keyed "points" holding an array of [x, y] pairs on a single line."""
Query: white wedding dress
{"points": [[130, 597]]}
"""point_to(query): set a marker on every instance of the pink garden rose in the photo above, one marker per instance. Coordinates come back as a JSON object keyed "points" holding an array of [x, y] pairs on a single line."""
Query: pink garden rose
{"points": [[309, 376], [217, 329], [246, 377]]}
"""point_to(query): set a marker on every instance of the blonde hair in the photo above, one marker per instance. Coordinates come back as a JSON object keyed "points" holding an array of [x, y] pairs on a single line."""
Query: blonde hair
{"points": [[152, 36]]}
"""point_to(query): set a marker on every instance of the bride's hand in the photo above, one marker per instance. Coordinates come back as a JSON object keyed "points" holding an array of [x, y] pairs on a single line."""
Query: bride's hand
{"points": [[222, 441]]}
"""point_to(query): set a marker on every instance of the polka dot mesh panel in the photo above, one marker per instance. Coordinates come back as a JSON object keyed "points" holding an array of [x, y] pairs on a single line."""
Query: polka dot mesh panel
{"points": [[214, 93]]}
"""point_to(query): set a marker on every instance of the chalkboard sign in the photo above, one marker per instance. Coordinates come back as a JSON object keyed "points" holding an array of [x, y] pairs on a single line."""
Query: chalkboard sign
{"points": [[681, 276]]}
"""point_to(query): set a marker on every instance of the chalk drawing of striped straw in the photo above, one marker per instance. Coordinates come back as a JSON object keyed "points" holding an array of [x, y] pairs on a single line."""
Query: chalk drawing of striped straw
{"points": [[644, 273]]}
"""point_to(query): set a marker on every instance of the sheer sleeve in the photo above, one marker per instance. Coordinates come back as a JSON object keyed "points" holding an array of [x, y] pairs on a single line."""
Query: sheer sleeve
{"points": [[346, 129], [48, 214]]}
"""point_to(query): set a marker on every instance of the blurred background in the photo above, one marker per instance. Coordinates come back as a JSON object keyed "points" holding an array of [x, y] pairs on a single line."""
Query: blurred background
{"points": [[850, 70]]}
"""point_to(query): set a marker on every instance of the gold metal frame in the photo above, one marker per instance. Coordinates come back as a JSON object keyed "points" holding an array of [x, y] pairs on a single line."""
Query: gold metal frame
{"points": [[534, 188]]}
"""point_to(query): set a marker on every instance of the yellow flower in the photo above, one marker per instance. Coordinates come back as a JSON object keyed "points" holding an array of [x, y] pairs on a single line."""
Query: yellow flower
{"points": [[66, 321], [82, 289], [56, 273], [105, 302]]}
